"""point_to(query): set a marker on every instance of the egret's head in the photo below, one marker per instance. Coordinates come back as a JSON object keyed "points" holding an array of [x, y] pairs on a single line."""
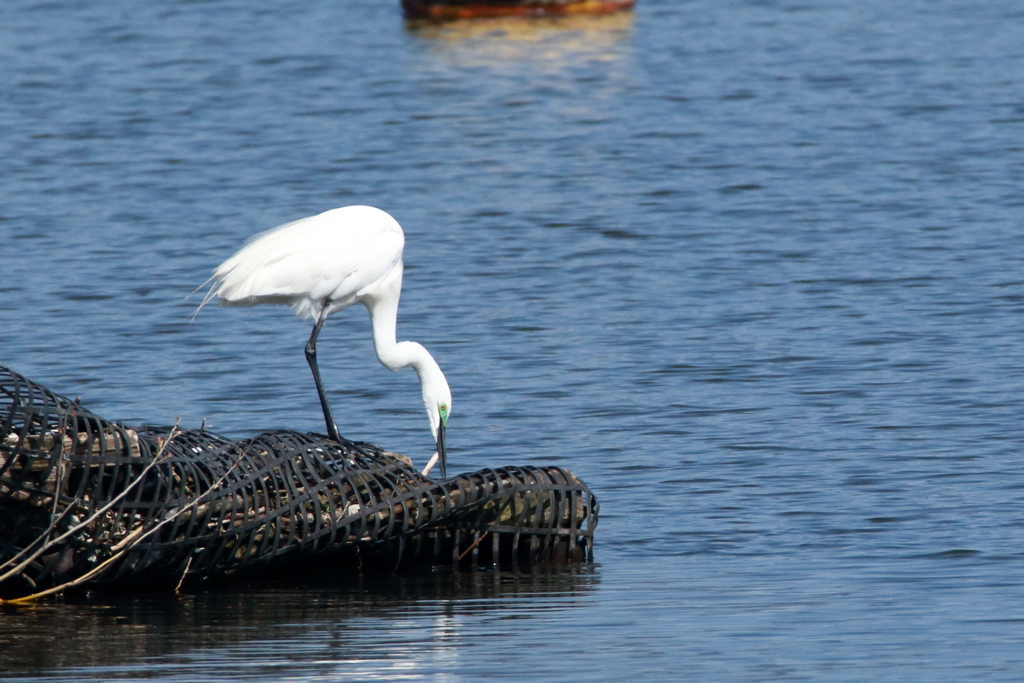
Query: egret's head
{"points": [[438, 400], [439, 409], [437, 397]]}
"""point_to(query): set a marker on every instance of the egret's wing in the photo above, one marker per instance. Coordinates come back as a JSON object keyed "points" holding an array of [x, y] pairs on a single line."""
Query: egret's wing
{"points": [[335, 255], [353, 267]]}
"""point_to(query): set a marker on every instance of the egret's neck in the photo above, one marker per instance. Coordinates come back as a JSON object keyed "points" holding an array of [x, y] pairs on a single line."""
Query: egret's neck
{"points": [[395, 355], [383, 308]]}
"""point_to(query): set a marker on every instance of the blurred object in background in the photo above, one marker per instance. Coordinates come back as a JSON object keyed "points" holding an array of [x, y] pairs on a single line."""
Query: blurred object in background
{"points": [[467, 9]]}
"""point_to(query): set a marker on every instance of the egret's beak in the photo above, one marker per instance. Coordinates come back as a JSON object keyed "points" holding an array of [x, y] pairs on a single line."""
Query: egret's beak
{"points": [[442, 456]]}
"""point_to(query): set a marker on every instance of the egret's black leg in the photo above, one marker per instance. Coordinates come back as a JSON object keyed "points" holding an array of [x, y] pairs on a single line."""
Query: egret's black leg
{"points": [[332, 427]]}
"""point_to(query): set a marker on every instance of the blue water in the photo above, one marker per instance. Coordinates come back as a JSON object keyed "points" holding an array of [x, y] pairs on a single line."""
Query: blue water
{"points": [[753, 270]]}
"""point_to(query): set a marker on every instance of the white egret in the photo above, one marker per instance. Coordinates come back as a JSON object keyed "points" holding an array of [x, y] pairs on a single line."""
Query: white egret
{"points": [[322, 264]]}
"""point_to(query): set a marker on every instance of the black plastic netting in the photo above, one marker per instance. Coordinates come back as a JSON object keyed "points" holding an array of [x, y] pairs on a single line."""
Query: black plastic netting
{"points": [[86, 501]]}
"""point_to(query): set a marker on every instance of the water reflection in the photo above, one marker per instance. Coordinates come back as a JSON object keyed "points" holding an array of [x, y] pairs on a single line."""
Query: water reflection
{"points": [[551, 41], [373, 618]]}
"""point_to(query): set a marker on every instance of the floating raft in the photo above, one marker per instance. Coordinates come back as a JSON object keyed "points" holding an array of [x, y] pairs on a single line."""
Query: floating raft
{"points": [[466, 9], [89, 502]]}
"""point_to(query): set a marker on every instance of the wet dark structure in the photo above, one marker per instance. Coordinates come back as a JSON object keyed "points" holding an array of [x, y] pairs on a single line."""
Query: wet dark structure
{"points": [[89, 502], [467, 9]]}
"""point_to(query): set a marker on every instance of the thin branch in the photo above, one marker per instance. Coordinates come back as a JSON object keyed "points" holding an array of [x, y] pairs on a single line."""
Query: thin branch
{"points": [[177, 589], [473, 545]]}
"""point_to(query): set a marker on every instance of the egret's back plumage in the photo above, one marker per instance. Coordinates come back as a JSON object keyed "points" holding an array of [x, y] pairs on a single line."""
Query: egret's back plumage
{"points": [[332, 259]]}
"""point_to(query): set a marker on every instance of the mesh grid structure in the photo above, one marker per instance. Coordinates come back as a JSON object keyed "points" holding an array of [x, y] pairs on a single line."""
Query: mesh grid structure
{"points": [[86, 500]]}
